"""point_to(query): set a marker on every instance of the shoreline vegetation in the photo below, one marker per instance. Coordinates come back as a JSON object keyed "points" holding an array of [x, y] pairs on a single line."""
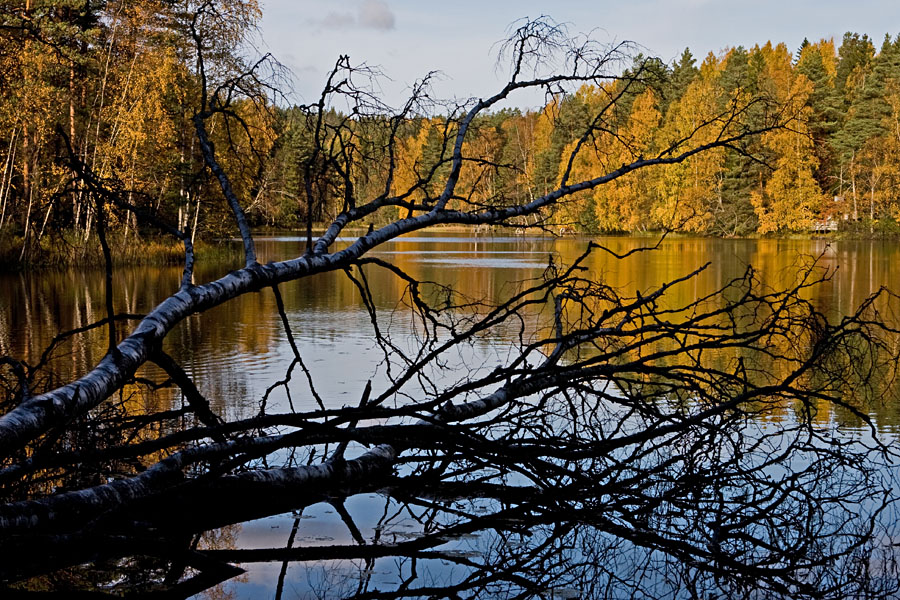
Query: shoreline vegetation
{"points": [[66, 250], [110, 89], [70, 249]]}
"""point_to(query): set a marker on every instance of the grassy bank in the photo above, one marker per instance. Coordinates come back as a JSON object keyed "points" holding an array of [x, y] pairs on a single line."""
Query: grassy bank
{"points": [[67, 249]]}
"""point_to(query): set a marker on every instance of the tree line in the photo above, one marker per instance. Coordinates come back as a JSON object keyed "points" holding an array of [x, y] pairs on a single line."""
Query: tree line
{"points": [[115, 84]]}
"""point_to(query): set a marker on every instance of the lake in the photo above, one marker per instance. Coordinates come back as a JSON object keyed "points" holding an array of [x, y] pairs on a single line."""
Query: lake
{"points": [[237, 351], [331, 324]]}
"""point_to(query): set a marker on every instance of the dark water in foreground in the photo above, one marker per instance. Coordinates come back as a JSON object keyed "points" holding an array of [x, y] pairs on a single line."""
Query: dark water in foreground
{"points": [[236, 351]]}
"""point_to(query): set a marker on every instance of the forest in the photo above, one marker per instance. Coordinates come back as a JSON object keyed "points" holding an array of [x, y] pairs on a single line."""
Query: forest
{"points": [[114, 84]]}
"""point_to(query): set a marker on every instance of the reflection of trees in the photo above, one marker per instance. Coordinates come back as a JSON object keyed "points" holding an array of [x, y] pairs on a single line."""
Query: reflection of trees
{"points": [[625, 450], [616, 443]]}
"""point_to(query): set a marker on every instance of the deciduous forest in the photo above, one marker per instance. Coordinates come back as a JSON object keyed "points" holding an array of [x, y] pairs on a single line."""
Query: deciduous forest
{"points": [[115, 83]]}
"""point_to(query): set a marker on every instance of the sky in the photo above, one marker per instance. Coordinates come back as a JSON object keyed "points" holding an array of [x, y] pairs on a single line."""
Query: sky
{"points": [[407, 39]]}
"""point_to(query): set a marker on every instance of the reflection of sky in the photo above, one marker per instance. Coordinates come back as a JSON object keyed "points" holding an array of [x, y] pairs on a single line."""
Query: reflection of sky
{"points": [[320, 526], [334, 339], [483, 263], [237, 350]]}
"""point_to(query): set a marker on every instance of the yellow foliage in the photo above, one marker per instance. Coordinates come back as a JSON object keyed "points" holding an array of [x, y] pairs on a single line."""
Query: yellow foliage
{"points": [[624, 203], [477, 178], [779, 70], [791, 199], [408, 170], [711, 68], [523, 139], [687, 190]]}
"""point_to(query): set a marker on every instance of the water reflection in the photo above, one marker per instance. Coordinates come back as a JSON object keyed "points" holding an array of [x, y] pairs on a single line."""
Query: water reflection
{"points": [[330, 322], [238, 350]]}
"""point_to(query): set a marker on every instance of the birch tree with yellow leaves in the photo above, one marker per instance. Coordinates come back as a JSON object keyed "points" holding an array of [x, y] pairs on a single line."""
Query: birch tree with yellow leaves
{"points": [[689, 192], [791, 199]]}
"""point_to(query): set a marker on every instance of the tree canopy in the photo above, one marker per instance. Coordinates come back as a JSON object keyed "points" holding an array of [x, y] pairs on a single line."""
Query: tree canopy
{"points": [[119, 79]]}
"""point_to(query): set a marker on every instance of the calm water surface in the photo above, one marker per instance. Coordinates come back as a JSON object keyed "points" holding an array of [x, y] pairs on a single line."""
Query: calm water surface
{"points": [[236, 351], [331, 324]]}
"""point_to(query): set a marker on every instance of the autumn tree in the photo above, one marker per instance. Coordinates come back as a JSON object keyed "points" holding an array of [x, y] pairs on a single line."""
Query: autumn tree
{"points": [[116, 81], [121, 82], [791, 199], [691, 192]]}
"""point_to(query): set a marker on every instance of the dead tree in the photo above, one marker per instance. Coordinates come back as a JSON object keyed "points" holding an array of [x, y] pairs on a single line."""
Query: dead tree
{"points": [[625, 445]]}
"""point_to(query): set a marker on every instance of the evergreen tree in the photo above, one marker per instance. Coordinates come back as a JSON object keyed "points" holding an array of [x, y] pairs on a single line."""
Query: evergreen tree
{"points": [[569, 116], [825, 103], [864, 94], [734, 215], [645, 73], [684, 71], [737, 74], [868, 107], [855, 54]]}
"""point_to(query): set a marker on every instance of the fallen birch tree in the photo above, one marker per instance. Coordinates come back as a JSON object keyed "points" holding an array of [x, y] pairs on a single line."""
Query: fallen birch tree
{"points": [[627, 444]]}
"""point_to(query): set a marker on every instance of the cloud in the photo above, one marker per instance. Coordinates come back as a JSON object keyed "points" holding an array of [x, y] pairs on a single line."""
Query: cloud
{"points": [[376, 14], [334, 20], [371, 14]]}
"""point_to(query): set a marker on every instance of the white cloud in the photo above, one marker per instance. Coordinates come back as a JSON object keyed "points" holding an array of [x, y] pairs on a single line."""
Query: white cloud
{"points": [[376, 14], [335, 20]]}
